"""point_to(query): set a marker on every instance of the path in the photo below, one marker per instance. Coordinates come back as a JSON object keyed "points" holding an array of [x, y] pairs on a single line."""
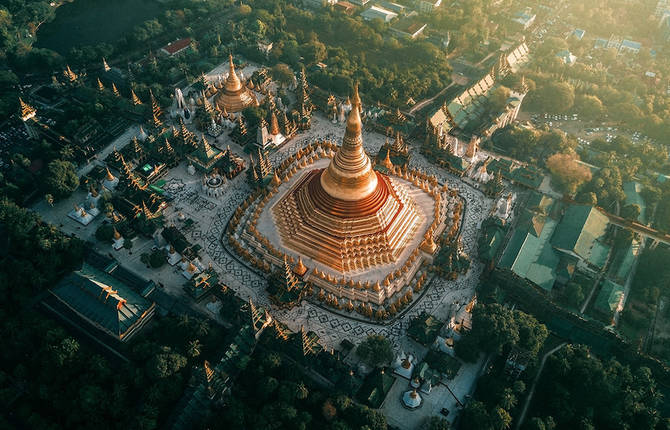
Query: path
{"points": [[423, 103], [522, 417], [627, 285]]}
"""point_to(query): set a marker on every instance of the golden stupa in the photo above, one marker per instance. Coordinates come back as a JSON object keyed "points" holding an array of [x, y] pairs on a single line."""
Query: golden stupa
{"points": [[348, 216], [235, 96]]}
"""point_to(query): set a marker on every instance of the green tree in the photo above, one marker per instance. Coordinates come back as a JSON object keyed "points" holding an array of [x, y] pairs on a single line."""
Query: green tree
{"points": [[589, 106], [194, 348], [573, 294], [631, 212], [376, 350], [104, 233], [475, 416], [500, 419], [60, 179], [435, 423], [165, 363]]}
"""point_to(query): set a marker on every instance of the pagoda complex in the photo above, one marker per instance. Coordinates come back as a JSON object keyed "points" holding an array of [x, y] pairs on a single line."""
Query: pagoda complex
{"points": [[348, 216], [235, 96]]}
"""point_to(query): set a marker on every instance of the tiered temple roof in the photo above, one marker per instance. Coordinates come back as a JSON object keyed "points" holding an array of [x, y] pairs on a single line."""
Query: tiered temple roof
{"points": [[235, 96], [205, 156], [348, 216]]}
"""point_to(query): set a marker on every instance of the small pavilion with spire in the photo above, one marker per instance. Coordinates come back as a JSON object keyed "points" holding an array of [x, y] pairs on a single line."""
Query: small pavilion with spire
{"points": [[205, 157], [285, 288]]}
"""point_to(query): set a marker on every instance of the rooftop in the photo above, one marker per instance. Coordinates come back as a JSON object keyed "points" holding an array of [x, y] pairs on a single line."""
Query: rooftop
{"points": [[176, 46], [579, 232], [107, 303]]}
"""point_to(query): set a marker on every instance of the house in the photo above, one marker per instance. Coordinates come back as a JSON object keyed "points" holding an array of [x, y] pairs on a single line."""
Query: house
{"points": [[319, 3], [345, 7], [524, 18], [427, 6], [376, 12], [578, 33], [566, 57], [104, 302], [360, 2], [409, 28], [176, 47]]}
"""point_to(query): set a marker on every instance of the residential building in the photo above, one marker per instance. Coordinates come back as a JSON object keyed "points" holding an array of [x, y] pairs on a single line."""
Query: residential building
{"points": [[360, 2], [427, 6], [176, 47], [376, 12], [524, 18], [409, 28]]}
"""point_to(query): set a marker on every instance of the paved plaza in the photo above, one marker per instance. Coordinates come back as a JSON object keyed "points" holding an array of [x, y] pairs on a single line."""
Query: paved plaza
{"points": [[211, 215]]}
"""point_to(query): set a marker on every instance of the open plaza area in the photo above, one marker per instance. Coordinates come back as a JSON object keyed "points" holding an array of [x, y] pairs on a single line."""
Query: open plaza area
{"points": [[209, 216]]}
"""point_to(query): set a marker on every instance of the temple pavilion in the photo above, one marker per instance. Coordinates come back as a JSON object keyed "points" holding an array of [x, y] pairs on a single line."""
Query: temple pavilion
{"points": [[205, 157], [235, 95], [348, 216]]}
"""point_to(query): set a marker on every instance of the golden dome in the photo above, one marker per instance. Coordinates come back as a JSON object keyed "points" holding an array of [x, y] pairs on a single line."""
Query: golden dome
{"points": [[235, 96], [333, 215], [350, 176], [233, 83], [300, 268]]}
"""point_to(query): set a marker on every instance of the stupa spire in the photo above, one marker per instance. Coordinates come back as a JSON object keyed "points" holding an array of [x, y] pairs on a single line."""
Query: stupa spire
{"points": [[350, 176], [232, 82]]}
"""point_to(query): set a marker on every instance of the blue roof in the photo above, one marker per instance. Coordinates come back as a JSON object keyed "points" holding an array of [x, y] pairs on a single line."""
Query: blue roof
{"points": [[600, 43], [579, 33], [631, 44]]}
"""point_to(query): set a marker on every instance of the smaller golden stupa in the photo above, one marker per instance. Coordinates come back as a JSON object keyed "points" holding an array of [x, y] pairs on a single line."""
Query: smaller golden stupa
{"points": [[235, 95]]}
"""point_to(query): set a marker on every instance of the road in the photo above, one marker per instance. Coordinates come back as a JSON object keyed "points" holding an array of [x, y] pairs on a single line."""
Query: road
{"points": [[425, 102], [522, 417]]}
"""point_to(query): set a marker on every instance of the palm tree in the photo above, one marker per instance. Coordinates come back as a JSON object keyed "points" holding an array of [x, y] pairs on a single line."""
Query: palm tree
{"points": [[194, 347], [202, 328]]}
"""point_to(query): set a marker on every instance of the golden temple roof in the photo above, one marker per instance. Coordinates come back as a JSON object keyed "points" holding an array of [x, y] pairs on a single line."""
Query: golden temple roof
{"points": [[235, 96], [350, 176], [27, 111], [299, 268], [232, 81]]}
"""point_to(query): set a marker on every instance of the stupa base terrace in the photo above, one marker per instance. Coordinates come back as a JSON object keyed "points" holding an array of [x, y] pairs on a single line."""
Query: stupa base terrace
{"points": [[261, 231]]}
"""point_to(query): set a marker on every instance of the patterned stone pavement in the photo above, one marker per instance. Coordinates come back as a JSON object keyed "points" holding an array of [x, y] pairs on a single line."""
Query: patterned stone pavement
{"points": [[212, 215]]}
